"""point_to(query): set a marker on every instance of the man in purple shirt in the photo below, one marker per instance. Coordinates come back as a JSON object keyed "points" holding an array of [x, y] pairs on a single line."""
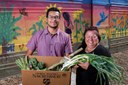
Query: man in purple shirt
{"points": [[50, 41]]}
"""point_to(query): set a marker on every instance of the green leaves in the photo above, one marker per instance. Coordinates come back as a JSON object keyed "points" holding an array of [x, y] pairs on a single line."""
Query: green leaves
{"points": [[30, 64], [22, 63], [8, 27], [104, 65]]}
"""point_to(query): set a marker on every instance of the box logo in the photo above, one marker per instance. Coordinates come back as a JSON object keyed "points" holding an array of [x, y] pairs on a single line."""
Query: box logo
{"points": [[46, 81]]}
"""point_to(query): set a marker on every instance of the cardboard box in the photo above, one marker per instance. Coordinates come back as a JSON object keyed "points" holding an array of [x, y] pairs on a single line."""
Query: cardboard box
{"points": [[38, 77]]}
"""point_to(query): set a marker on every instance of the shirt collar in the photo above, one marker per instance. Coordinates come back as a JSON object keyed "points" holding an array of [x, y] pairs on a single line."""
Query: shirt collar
{"points": [[46, 31]]}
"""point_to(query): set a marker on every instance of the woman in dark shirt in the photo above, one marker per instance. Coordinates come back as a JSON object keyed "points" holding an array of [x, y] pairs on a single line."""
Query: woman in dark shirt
{"points": [[86, 74]]}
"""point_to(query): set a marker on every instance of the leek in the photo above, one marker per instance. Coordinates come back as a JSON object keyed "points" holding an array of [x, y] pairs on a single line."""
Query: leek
{"points": [[104, 65]]}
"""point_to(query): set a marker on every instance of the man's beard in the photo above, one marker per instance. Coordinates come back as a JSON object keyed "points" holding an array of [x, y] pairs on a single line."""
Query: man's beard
{"points": [[54, 27]]}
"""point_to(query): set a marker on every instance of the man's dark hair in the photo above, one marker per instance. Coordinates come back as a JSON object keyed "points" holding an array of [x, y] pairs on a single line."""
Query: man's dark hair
{"points": [[52, 9]]}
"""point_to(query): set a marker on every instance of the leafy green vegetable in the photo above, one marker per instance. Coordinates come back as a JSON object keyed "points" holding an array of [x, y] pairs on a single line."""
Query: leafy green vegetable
{"points": [[33, 63], [41, 65], [22, 63], [104, 65], [30, 64]]}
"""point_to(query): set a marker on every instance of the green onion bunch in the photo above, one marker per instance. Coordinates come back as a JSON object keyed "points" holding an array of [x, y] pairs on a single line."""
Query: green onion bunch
{"points": [[104, 65]]}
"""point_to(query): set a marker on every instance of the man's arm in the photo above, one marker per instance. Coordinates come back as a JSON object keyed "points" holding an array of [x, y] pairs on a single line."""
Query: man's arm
{"points": [[29, 52], [68, 46]]}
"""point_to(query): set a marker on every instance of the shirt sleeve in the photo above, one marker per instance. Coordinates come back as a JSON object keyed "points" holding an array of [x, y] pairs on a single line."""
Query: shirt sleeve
{"points": [[68, 46], [32, 43], [101, 50]]}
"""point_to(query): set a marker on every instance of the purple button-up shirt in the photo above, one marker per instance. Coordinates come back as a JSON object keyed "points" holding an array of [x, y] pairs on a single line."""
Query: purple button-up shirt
{"points": [[50, 45]]}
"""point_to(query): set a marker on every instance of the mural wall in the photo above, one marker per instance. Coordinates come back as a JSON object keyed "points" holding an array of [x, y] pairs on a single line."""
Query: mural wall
{"points": [[19, 20], [119, 21], [111, 17], [101, 20]]}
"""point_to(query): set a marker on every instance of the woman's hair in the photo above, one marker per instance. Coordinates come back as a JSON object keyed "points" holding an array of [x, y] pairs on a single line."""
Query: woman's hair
{"points": [[66, 16], [91, 28]]}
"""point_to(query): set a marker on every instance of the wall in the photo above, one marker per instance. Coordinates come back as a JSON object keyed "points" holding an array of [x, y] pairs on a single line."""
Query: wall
{"points": [[111, 17], [20, 19]]}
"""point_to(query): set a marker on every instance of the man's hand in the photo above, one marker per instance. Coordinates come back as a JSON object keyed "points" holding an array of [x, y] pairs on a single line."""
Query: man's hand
{"points": [[29, 52]]}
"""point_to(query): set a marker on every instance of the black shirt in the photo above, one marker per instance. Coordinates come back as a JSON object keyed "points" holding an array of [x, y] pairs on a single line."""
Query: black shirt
{"points": [[89, 76]]}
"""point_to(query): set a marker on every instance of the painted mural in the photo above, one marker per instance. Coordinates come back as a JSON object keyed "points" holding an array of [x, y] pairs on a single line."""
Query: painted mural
{"points": [[112, 21], [19, 21], [119, 22], [8, 29], [101, 20]]}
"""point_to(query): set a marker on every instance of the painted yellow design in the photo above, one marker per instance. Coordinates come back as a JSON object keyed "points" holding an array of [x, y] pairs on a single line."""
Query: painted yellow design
{"points": [[79, 23], [76, 14], [54, 5]]}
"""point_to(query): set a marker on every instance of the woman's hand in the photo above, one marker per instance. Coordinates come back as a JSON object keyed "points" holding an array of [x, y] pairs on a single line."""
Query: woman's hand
{"points": [[84, 65], [75, 67]]}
